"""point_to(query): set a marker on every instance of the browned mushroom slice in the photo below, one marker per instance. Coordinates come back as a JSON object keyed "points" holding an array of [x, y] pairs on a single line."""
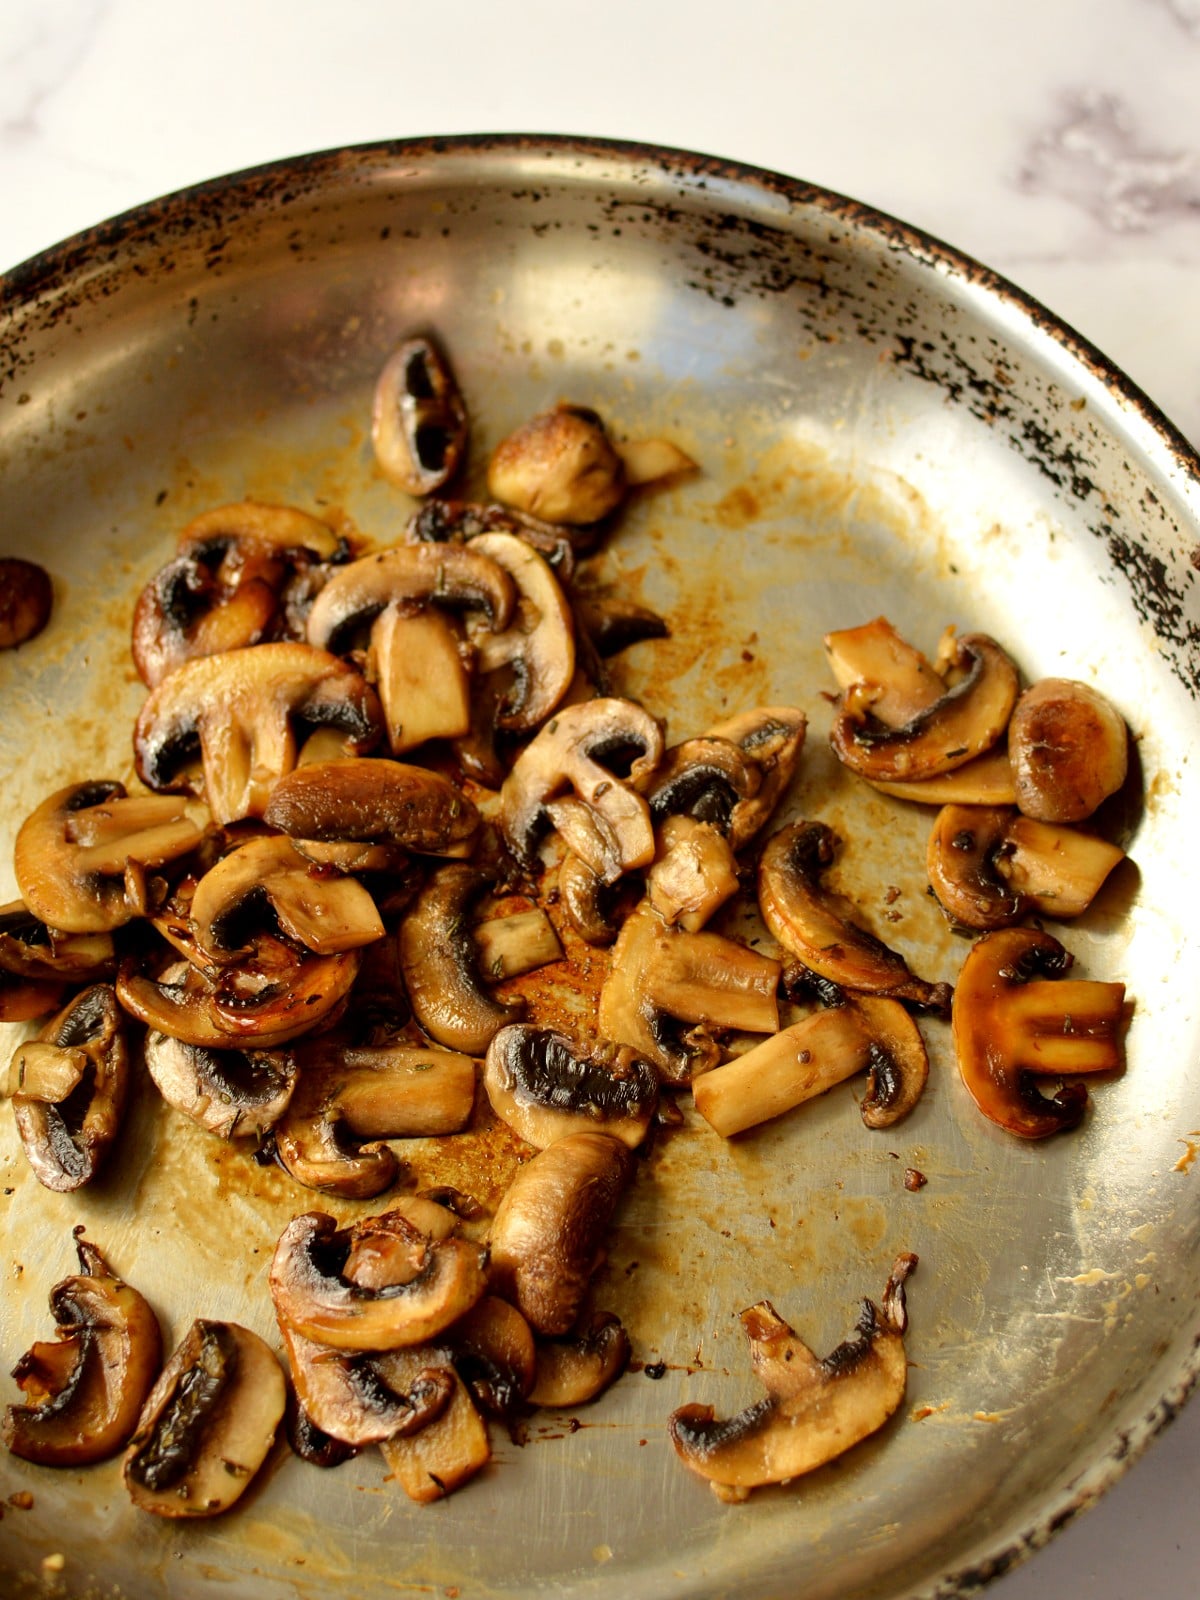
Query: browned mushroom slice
{"points": [[586, 901], [704, 778], [495, 1355], [231, 584], [447, 1453], [322, 910], [613, 622], [208, 1424], [988, 866], [515, 943], [548, 1233], [441, 964], [820, 927], [660, 976], [85, 1391], [458, 521], [27, 999], [418, 418], [348, 1398], [578, 1369], [374, 801], [544, 1086], [792, 1066], [604, 821], [26, 599], [813, 1410], [968, 719], [899, 679], [67, 1140], [1015, 1015], [987, 780], [236, 1094], [1069, 749], [771, 739], [239, 712], [29, 948], [350, 1095], [560, 466], [693, 874], [72, 852], [441, 1280], [537, 652]]}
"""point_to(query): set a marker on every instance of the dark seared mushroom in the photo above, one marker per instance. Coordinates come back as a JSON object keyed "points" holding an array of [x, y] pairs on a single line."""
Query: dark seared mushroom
{"points": [[418, 418], [547, 1235], [586, 901], [604, 820], [661, 975], [240, 712], [703, 778], [348, 1398], [393, 600], [449, 1451], [236, 1094], [31, 948], [1016, 1016], [1069, 749], [325, 911], [613, 622], [821, 927], [813, 1410], [495, 1355], [441, 963], [560, 466], [26, 600], [67, 1139], [578, 1369], [460, 521], [989, 865], [867, 1033], [72, 853], [537, 651], [208, 1424], [235, 580], [969, 718], [543, 1085], [435, 1283], [373, 801], [278, 995], [85, 1390], [350, 1099]]}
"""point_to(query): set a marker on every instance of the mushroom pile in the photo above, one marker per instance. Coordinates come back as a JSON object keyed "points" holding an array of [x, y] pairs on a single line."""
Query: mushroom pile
{"points": [[381, 787]]}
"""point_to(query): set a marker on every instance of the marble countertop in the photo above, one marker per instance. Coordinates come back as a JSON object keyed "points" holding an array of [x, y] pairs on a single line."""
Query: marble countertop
{"points": [[1057, 142]]}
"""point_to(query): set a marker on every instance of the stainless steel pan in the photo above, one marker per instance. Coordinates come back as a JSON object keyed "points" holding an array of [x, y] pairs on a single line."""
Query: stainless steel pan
{"points": [[883, 426]]}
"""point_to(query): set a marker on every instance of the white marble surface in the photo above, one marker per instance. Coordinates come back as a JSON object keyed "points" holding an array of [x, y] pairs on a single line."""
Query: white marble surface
{"points": [[1057, 140]]}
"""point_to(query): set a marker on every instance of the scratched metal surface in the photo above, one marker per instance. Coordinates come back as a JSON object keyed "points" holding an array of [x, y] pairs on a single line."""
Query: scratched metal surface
{"points": [[882, 427]]}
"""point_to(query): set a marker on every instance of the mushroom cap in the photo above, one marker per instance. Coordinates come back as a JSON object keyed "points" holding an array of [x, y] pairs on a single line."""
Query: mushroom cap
{"points": [[418, 418], [544, 1086], [371, 799], [560, 466], [1069, 749], [347, 1396], [232, 1093]]}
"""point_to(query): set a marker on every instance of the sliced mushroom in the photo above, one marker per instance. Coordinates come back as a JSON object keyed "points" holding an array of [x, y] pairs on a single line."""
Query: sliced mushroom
{"points": [[26, 600], [820, 927], [771, 739], [543, 1085], [1016, 1016], [72, 852], [986, 780], [240, 711], [418, 418], [373, 801], [458, 522], [812, 1055], [85, 1391], [67, 1140], [322, 910], [660, 974], [693, 874], [813, 1410], [495, 1355], [312, 1292], [350, 1095], [873, 659], [515, 943], [548, 1232], [1069, 749], [447, 1453], [988, 866], [613, 622], [537, 651], [236, 1094], [969, 718], [441, 963], [348, 1398], [560, 466], [209, 1422], [608, 825], [229, 585], [30, 948], [705, 779], [585, 899], [578, 1369]]}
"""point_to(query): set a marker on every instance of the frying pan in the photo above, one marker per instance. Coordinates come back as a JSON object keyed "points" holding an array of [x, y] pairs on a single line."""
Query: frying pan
{"points": [[882, 427]]}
